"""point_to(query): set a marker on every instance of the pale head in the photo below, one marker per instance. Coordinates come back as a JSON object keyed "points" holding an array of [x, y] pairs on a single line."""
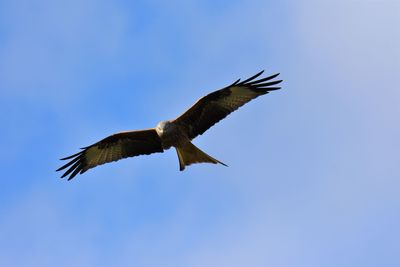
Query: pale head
{"points": [[162, 127]]}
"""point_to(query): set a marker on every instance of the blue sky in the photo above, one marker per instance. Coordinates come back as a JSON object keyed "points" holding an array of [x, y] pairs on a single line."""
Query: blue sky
{"points": [[313, 177]]}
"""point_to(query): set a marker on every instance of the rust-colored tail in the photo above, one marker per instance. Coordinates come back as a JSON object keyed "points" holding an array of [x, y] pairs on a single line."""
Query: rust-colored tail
{"points": [[189, 154]]}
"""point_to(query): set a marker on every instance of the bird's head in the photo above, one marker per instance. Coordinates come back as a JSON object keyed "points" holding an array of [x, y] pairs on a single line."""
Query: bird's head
{"points": [[163, 127]]}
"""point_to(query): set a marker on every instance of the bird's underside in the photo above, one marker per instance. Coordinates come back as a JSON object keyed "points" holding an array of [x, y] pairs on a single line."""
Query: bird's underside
{"points": [[177, 133]]}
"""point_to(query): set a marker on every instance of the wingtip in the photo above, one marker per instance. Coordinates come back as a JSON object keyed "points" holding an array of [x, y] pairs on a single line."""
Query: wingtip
{"points": [[223, 163], [72, 156], [259, 73], [59, 169], [236, 82], [274, 88], [252, 77], [73, 175]]}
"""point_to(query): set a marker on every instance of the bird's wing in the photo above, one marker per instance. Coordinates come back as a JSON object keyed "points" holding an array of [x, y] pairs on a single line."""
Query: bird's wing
{"points": [[215, 106], [113, 148]]}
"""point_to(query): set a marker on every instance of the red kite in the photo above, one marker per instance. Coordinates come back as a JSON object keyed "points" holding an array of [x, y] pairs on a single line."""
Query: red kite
{"points": [[177, 133]]}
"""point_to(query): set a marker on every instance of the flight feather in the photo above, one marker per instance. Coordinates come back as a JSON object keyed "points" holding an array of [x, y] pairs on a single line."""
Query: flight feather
{"points": [[112, 148]]}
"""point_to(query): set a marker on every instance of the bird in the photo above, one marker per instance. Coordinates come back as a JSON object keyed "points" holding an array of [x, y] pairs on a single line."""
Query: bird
{"points": [[177, 133]]}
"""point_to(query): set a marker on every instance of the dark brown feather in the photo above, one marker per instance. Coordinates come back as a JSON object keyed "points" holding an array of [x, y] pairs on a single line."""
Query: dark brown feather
{"points": [[217, 105], [113, 148]]}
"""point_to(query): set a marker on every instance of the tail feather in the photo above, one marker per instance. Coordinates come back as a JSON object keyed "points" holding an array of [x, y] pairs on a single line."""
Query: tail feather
{"points": [[189, 154]]}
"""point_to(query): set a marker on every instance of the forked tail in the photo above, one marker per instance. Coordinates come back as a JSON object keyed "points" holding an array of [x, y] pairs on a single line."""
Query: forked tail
{"points": [[189, 154]]}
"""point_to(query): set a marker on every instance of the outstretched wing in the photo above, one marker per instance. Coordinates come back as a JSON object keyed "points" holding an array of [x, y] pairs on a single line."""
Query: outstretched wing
{"points": [[113, 148], [215, 106]]}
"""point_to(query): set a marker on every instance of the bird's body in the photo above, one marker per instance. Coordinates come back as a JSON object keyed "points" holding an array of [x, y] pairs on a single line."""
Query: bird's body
{"points": [[177, 133], [171, 134], [174, 134]]}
